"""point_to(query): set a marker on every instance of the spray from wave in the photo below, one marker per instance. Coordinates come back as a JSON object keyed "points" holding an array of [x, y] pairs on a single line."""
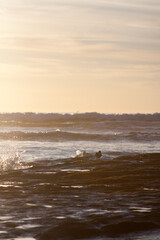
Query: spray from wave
{"points": [[11, 161]]}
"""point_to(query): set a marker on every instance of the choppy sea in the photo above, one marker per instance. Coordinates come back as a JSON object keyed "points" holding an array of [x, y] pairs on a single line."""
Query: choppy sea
{"points": [[53, 187]]}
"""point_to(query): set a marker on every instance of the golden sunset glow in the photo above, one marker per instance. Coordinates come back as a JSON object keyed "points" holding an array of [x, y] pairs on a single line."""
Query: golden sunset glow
{"points": [[70, 56]]}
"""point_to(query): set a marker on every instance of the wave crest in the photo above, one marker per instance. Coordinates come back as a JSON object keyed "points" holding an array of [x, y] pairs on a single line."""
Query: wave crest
{"points": [[76, 136], [11, 161]]}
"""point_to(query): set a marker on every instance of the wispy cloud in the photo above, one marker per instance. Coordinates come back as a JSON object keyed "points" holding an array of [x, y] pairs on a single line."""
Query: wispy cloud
{"points": [[73, 39]]}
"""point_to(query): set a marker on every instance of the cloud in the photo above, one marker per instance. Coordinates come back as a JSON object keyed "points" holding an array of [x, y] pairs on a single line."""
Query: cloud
{"points": [[71, 34], [41, 6]]}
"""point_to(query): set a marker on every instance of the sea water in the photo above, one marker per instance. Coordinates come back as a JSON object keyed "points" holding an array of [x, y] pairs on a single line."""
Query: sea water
{"points": [[50, 189]]}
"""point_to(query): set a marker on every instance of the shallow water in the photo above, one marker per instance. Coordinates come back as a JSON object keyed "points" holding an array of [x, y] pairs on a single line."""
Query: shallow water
{"points": [[48, 193]]}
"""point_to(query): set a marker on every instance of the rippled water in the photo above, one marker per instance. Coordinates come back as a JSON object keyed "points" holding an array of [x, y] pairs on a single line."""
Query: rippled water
{"points": [[47, 192]]}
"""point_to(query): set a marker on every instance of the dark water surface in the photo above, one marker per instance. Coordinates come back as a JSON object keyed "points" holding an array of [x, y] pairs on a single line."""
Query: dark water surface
{"points": [[46, 192], [82, 198]]}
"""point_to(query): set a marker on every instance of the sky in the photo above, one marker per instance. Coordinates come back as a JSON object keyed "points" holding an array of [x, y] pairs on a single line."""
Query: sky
{"points": [[80, 56]]}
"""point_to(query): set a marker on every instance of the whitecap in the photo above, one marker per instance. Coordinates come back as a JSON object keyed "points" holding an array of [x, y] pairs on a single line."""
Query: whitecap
{"points": [[12, 161], [77, 186], [47, 206], [140, 209], [6, 218], [24, 238], [28, 226], [58, 130], [60, 217], [2, 232], [75, 170], [31, 204]]}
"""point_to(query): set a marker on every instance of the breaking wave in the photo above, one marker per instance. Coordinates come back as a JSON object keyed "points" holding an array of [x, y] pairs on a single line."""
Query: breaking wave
{"points": [[73, 136], [12, 161]]}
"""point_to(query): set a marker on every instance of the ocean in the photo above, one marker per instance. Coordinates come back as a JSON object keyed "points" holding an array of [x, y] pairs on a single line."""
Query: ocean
{"points": [[52, 185]]}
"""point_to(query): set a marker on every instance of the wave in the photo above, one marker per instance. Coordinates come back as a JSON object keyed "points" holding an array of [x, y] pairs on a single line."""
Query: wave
{"points": [[82, 199], [32, 118], [77, 229], [53, 136], [12, 161], [73, 136], [143, 156]]}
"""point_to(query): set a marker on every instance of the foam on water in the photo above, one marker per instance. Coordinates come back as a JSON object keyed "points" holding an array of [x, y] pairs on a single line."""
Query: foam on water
{"points": [[28, 226], [25, 238], [11, 160]]}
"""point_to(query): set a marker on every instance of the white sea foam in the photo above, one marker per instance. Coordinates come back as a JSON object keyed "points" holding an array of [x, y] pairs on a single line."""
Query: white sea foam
{"points": [[24, 238], [28, 226], [11, 161], [81, 154]]}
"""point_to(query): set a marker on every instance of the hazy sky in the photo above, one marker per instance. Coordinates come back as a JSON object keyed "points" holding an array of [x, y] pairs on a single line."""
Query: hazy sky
{"points": [[80, 55]]}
